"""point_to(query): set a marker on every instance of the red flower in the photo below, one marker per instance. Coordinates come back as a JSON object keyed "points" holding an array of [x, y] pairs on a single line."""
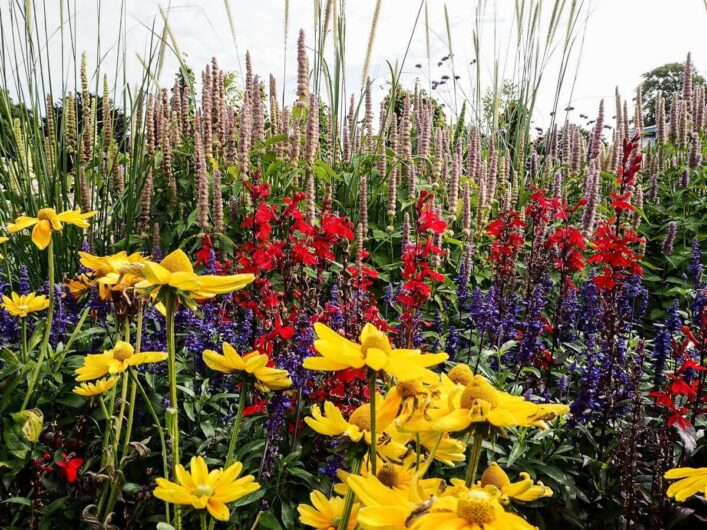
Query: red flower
{"points": [[69, 466]]}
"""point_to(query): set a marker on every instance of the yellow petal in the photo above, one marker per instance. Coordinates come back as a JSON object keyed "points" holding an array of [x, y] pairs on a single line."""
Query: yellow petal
{"points": [[218, 510], [177, 261], [42, 234]]}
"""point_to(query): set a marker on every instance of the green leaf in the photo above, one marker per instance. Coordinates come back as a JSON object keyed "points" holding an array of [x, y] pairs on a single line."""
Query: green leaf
{"points": [[18, 500]]}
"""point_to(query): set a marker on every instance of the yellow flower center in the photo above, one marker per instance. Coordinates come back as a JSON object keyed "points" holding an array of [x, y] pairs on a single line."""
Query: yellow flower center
{"points": [[123, 351], [461, 374], [477, 508], [361, 417], [479, 388], [495, 476], [408, 389], [388, 476], [177, 261], [203, 490], [46, 214], [23, 307], [380, 342]]}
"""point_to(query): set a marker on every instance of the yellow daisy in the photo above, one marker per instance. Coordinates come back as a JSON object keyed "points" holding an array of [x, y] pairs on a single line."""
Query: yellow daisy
{"points": [[357, 427], [21, 305], [114, 361], [478, 509], [47, 222], [384, 508], [691, 482], [203, 489], [480, 402], [116, 272], [175, 273], [523, 490], [253, 363], [374, 351], [324, 514], [97, 387]]}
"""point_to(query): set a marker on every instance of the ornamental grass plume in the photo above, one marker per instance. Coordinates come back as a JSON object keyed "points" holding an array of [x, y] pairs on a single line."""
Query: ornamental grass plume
{"points": [[669, 239], [202, 183], [687, 82], [363, 205], [312, 132], [302, 72], [217, 203], [660, 124], [596, 133], [695, 157]]}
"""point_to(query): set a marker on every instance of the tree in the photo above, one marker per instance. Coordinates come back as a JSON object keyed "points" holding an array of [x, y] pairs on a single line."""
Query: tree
{"points": [[667, 79]]}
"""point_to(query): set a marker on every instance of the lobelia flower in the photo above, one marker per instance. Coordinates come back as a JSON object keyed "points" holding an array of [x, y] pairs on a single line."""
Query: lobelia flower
{"points": [[96, 388], [374, 351], [22, 305], [691, 482], [69, 466], [201, 489], [324, 513], [47, 222], [114, 361], [253, 363], [175, 273]]}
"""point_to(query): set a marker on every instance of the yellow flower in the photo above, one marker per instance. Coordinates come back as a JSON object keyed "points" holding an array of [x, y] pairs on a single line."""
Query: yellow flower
{"points": [[692, 481], [3, 240], [374, 351], [478, 509], [116, 272], [480, 402], [21, 305], [203, 489], [385, 508], [324, 514], [48, 221], [175, 272], [357, 427], [524, 490], [115, 361], [253, 363], [97, 387]]}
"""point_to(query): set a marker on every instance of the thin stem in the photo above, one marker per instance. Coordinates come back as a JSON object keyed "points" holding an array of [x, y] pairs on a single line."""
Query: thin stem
{"points": [[374, 439], [474, 456], [235, 431], [160, 431], [24, 353], [47, 328], [349, 499], [202, 519], [171, 307], [431, 456]]}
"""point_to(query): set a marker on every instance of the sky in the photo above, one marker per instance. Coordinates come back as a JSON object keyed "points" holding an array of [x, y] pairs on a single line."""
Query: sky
{"points": [[621, 40]]}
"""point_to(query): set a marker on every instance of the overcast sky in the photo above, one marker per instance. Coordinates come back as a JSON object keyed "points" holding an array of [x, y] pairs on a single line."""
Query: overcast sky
{"points": [[623, 39]]}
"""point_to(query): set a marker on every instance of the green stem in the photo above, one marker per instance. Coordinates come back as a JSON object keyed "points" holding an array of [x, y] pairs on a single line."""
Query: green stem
{"points": [[171, 307], [374, 438], [202, 518], [431, 456], [121, 413], [474, 456], [160, 432], [349, 499], [24, 354], [235, 431], [133, 386], [59, 359], [47, 329]]}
